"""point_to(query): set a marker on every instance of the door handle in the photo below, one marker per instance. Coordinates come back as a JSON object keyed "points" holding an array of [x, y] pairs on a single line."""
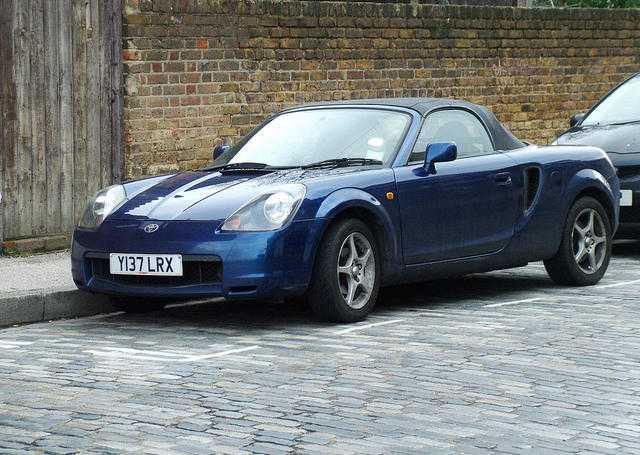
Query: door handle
{"points": [[503, 179]]}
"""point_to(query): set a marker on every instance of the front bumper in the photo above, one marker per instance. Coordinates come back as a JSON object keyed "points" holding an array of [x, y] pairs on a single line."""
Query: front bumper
{"points": [[630, 215], [272, 264], [630, 219]]}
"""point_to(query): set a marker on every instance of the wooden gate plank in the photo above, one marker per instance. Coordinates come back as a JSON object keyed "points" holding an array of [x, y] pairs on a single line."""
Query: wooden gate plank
{"points": [[38, 157], [106, 153], [92, 109], [66, 115], [10, 197], [7, 112], [52, 114], [21, 225], [114, 37], [79, 107]]}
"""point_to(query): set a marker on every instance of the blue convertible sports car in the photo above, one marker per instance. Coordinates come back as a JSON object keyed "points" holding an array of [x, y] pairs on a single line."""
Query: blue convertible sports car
{"points": [[332, 201]]}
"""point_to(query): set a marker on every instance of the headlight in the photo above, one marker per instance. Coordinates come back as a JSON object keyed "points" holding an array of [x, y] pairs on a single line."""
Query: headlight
{"points": [[267, 212], [103, 203]]}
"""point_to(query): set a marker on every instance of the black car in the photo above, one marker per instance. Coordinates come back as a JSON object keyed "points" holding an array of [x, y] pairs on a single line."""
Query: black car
{"points": [[613, 125]]}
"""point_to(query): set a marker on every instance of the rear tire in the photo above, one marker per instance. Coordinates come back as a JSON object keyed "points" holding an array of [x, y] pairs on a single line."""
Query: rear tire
{"points": [[585, 250], [137, 304], [346, 277]]}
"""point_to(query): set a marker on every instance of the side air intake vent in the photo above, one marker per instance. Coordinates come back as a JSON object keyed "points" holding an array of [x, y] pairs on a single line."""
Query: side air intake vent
{"points": [[531, 186]]}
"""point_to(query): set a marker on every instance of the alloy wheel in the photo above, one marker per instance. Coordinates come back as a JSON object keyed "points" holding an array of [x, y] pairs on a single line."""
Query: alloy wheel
{"points": [[356, 270], [589, 238]]}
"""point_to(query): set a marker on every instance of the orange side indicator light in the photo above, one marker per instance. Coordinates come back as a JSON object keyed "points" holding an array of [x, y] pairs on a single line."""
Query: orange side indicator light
{"points": [[390, 196]]}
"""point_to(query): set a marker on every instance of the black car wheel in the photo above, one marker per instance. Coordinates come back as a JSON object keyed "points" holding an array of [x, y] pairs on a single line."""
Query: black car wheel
{"points": [[137, 304], [346, 277], [585, 251]]}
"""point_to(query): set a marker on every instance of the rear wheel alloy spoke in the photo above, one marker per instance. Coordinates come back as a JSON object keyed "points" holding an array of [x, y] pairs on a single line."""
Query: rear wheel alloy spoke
{"points": [[356, 270]]}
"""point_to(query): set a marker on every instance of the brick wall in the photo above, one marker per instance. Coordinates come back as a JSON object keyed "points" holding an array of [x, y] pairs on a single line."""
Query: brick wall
{"points": [[198, 71]]}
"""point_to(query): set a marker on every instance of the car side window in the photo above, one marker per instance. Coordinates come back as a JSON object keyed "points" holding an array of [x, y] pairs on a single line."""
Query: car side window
{"points": [[453, 125]]}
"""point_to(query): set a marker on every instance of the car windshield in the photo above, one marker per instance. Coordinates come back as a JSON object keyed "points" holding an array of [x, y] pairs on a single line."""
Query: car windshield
{"points": [[621, 106], [300, 138]]}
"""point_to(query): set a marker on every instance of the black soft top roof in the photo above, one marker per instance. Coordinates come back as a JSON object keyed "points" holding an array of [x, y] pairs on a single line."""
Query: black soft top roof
{"points": [[502, 137]]}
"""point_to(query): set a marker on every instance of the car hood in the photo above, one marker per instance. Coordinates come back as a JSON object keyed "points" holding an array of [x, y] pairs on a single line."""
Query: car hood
{"points": [[621, 142], [209, 195]]}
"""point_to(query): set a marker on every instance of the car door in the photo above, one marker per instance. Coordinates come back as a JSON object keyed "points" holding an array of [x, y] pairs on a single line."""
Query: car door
{"points": [[469, 206]]}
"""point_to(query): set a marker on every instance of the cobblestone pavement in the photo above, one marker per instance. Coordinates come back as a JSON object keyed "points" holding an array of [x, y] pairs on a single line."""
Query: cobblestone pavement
{"points": [[503, 362]]}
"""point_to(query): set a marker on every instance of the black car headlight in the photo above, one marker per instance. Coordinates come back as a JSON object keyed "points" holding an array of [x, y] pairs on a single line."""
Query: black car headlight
{"points": [[268, 211], [102, 204]]}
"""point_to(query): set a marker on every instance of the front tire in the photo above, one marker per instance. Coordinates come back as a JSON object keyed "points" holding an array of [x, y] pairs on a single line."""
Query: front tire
{"points": [[346, 277], [585, 250]]}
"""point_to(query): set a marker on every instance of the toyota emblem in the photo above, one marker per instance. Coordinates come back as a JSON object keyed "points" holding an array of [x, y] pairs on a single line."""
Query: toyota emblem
{"points": [[149, 228]]}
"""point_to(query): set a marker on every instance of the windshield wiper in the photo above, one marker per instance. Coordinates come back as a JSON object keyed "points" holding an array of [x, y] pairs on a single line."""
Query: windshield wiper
{"points": [[246, 166], [628, 122], [342, 162], [624, 123], [262, 167]]}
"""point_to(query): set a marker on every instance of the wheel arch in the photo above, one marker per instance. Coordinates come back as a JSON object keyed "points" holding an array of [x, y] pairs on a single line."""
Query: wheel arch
{"points": [[602, 198], [354, 203], [591, 183]]}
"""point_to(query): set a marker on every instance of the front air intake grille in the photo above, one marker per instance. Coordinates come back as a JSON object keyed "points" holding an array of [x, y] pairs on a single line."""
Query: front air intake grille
{"points": [[630, 214], [196, 270], [629, 173]]}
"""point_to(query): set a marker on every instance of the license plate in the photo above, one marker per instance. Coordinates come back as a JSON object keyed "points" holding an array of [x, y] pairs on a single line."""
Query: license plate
{"points": [[626, 198], [145, 264]]}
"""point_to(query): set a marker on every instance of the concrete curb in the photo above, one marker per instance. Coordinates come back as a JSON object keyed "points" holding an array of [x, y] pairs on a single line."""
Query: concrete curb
{"points": [[54, 304]]}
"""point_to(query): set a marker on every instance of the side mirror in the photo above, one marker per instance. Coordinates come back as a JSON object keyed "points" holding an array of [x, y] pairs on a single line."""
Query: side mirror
{"points": [[219, 150], [439, 152], [576, 119]]}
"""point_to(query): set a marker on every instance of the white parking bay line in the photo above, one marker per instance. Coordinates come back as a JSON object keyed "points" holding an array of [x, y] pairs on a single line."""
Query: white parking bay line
{"points": [[162, 356], [147, 352], [367, 326], [579, 305], [7, 344], [194, 302], [129, 357], [514, 302], [195, 358], [613, 285]]}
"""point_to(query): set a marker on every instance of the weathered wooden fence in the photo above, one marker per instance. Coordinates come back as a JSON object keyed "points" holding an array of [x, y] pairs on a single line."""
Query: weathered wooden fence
{"points": [[60, 129]]}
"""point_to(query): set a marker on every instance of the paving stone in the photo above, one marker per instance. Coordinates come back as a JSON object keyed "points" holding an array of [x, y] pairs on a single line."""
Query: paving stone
{"points": [[453, 376]]}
